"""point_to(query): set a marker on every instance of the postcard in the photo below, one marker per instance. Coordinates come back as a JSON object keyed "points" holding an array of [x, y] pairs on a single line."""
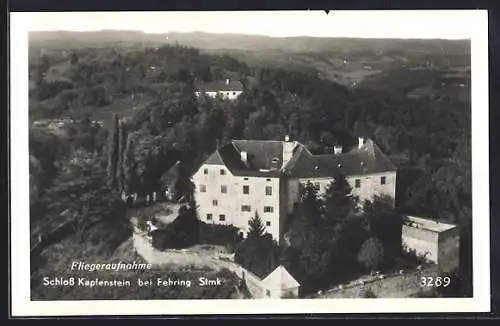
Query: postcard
{"points": [[249, 162]]}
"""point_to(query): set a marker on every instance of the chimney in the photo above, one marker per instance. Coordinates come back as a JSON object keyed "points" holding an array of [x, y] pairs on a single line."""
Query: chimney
{"points": [[337, 149], [288, 147], [244, 156], [361, 142], [227, 81], [275, 164]]}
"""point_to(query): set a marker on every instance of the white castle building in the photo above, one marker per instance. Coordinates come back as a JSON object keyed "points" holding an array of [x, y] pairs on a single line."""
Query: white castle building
{"points": [[263, 176]]}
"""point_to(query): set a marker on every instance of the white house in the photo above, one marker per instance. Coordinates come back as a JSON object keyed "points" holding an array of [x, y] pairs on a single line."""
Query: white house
{"points": [[248, 176], [228, 89]]}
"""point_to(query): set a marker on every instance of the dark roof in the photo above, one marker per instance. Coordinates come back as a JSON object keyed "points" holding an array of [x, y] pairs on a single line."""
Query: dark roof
{"points": [[217, 86], [260, 157], [261, 153], [368, 159]]}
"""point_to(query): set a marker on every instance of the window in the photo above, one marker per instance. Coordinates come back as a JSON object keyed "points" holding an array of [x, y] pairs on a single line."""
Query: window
{"points": [[205, 171], [222, 172], [268, 179], [357, 183], [382, 180], [214, 202], [268, 209], [246, 190], [222, 217], [234, 93], [209, 217], [245, 178], [268, 293], [203, 188], [268, 223], [223, 189], [269, 190], [246, 208]]}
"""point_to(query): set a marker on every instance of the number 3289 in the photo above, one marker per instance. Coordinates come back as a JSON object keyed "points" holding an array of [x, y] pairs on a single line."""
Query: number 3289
{"points": [[435, 281]]}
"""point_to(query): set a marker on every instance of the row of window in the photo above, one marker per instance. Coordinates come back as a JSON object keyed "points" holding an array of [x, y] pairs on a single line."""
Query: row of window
{"points": [[269, 189], [222, 218], [221, 171], [247, 208], [357, 182], [246, 189]]}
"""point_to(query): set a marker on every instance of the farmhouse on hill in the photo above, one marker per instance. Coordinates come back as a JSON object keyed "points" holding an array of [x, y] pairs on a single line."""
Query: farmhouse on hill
{"points": [[264, 176], [228, 89]]}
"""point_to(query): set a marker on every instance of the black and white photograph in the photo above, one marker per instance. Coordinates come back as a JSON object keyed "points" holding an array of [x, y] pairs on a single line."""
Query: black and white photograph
{"points": [[303, 157]]}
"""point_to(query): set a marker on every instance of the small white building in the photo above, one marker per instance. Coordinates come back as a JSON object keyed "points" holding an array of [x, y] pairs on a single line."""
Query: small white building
{"points": [[438, 242], [228, 89], [278, 284]]}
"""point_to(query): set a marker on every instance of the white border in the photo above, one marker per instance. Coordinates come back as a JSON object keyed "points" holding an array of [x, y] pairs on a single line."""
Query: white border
{"points": [[20, 245]]}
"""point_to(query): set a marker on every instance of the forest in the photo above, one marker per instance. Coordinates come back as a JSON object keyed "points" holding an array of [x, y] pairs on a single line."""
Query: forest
{"points": [[133, 114]]}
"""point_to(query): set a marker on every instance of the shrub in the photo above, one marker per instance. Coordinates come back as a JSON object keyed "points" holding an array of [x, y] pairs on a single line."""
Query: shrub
{"points": [[368, 293], [218, 234], [371, 254]]}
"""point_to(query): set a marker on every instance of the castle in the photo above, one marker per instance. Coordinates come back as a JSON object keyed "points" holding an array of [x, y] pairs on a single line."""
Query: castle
{"points": [[264, 176]]}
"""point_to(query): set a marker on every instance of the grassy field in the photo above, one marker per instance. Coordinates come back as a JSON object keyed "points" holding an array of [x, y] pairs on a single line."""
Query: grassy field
{"points": [[396, 286]]}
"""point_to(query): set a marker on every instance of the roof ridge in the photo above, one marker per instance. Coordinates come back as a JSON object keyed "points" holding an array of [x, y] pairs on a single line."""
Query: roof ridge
{"points": [[259, 140], [290, 164]]}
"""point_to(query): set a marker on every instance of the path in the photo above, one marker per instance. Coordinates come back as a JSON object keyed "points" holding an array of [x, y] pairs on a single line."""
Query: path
{"points": [[181, 258]]}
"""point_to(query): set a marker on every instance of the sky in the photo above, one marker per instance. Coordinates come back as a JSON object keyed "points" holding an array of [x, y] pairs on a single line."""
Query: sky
{"points": [[443, 24]]}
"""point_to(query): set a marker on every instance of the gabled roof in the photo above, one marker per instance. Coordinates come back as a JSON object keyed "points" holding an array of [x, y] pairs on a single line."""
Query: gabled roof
{"points": [[260, 156], [261, 153], [368, 159], [282, 278], [218, 86]]}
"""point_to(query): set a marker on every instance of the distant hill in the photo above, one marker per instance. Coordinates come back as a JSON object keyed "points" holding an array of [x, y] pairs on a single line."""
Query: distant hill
{"points": [[208, 41], [347, 61]]}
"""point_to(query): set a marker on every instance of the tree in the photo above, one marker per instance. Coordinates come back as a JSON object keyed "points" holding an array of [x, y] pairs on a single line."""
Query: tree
{"points": [[384, 223], [338, 200], [371, 254], [122, 142], [113, 152], [130, 179], [73, 59], [259, 252], [308, 236], [256, 228]]}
